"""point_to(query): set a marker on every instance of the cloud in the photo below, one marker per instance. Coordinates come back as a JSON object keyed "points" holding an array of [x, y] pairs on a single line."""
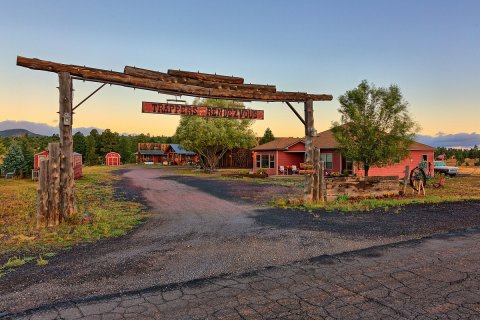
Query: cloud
{"points": [[40, 128], [465, 140]]}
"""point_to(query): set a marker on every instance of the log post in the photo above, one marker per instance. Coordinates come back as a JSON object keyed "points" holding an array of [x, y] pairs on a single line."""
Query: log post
{"points": [[309, 132], [316, 175], [42, 194], [53, 184], [67, 207], [323, 186]]}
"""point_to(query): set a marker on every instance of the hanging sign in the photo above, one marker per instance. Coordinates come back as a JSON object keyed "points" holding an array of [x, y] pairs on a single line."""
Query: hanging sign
{"points": [[201, 111]]}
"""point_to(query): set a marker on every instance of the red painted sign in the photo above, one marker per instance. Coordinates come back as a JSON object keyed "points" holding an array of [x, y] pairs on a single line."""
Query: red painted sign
{"points": [[201, 111]]}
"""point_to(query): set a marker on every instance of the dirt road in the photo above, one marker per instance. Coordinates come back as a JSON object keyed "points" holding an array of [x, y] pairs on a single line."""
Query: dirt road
{"points": [[203, 228]]}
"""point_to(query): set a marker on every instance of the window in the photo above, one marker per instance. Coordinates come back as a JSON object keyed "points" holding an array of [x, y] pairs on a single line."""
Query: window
{"points": [[327, 158], [265, 161]]}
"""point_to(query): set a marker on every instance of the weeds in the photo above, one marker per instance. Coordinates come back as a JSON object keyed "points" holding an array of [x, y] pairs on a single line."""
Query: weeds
{"points": [[41, 261]]}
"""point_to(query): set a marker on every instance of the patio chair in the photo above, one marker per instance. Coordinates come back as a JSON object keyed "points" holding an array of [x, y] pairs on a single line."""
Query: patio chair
{"points": [[294, 169], [282, 170], [10, 175]]}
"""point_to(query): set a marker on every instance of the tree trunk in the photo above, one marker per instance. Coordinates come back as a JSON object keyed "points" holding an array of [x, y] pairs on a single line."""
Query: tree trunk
{"points": [[366, 168]]}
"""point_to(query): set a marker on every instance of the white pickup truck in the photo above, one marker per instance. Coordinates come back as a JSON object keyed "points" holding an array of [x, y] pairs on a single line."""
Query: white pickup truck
{"points": [[442, 168]]}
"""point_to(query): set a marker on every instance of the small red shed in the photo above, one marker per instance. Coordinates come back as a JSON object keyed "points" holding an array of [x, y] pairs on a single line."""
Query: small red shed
{"points": [[77, 163], [112, 159]]}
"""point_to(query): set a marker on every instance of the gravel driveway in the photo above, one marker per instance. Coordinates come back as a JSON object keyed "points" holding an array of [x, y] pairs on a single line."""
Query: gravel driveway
{"points": [[202, 228]]}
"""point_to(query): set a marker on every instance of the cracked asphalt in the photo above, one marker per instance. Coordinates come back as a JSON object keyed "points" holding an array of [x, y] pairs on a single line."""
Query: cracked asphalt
{"points": [[205, 231], [435, 278]]}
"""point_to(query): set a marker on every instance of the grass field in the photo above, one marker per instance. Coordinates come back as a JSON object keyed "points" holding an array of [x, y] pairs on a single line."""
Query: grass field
{"points": [[111, 216], [464, 187]]}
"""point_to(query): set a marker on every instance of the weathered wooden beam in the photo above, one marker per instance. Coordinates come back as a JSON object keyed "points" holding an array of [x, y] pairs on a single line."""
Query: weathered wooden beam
{"points": [[156, 75], [295, 111], [206, 76], [117, 78], [67, 199]]}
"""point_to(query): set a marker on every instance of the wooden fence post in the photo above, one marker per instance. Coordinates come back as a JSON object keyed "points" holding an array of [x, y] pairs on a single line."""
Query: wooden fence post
{"points": [[309, 132], [42, 194], [54, 184]]}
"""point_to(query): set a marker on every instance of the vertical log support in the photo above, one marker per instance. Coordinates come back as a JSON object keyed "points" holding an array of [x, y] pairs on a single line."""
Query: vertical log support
{"points": [[309, 132], [67, 198], [322, 182], [53, 217], [42, 194], [316, 175]]}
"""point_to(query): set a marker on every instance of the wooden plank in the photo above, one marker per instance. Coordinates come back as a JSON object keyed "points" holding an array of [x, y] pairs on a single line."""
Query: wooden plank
{"points": [[156, 75], [67, 199], [206, 76], [306, 165], [117, 78], [201, 111], [54, 184], [306, 171]]}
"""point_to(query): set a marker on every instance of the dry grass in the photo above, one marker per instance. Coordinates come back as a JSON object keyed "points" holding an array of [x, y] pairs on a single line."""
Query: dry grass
{"points": [[95, 197]]}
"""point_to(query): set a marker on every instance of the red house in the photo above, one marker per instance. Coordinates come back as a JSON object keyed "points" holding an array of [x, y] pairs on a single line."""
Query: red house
{"points": [[77, 164], [287, 152], [112, 159]]}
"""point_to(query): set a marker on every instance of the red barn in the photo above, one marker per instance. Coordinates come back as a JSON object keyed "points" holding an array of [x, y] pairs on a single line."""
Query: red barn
{"points": [[112, 159], [288, 152], [77, 164]]}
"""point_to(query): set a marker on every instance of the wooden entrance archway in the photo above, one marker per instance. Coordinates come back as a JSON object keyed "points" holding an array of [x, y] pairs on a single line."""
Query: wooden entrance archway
{"points": [[174, 82]]}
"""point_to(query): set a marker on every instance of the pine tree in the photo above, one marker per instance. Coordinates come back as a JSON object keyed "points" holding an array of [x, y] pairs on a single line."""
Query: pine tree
{"points": [[91, 154], [267, 136], [14, 160]]}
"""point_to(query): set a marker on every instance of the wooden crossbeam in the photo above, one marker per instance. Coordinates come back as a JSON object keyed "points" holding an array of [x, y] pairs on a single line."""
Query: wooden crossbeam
{"points": [[206, 76], [118, 78], [156, 75]]}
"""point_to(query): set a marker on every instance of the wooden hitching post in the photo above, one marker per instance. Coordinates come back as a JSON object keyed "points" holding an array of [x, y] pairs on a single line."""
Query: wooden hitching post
{"points": [[309, 131], [53, 184], [67, 206]]}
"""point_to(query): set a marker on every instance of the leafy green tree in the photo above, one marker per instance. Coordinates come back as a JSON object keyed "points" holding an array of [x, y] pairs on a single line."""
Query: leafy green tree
{"points": [[3, 150], [98, 141], [267, 136], [91, 156], [376, 128], [210, 138], [14, 159], [79, 143], [125, 149]]}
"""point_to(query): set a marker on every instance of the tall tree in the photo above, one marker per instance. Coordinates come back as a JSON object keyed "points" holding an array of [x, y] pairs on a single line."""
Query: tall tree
{"points": [[79, 143], [210, 138], [14, 160], [125, 149], [28, 155], [267, 136], [91, 155], [109, 141], [376, 128]]}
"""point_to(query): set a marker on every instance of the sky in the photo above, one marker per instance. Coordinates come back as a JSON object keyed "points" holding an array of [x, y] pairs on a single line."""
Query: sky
{"points": [[429, 48]]}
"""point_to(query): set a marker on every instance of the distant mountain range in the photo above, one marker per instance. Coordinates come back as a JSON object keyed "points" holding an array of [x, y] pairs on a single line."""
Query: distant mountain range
{"points": [[18, 133], [41, 129]]}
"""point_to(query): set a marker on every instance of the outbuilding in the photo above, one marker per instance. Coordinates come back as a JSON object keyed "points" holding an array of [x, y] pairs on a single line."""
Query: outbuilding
{"points": [[77, 164], [112, 159], [282, 154]]}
